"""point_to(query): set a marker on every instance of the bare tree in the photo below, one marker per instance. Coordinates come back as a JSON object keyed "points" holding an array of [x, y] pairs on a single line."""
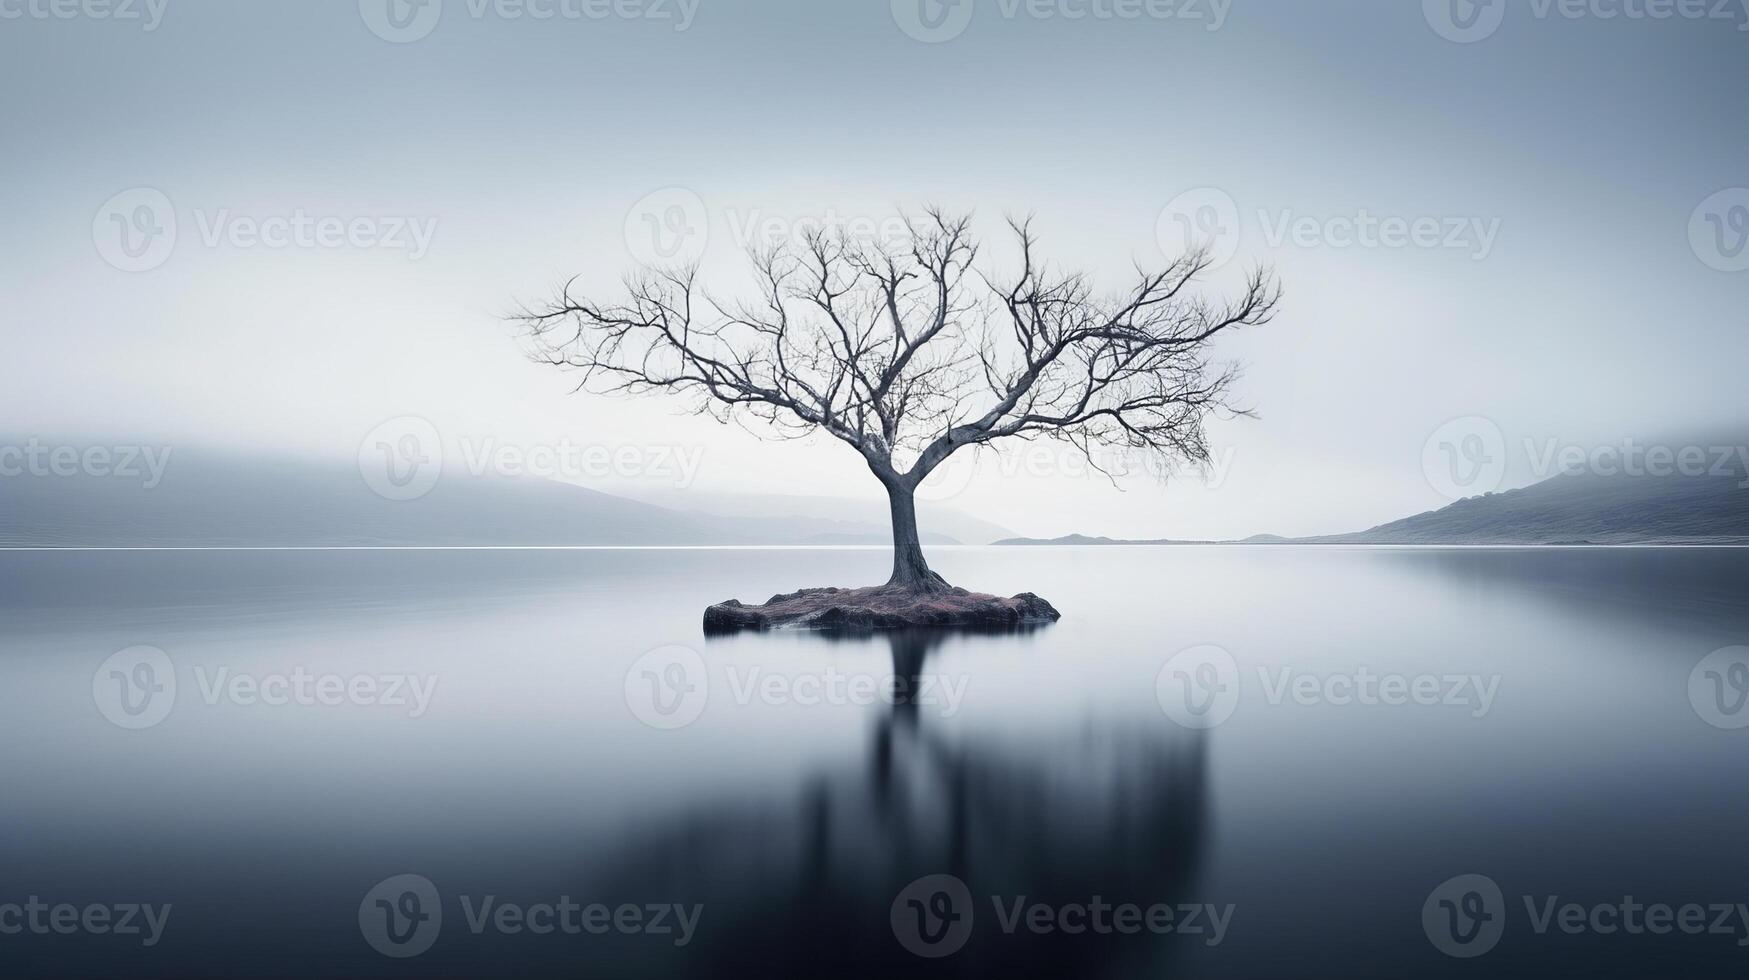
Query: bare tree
{"points": [[908, 353]]}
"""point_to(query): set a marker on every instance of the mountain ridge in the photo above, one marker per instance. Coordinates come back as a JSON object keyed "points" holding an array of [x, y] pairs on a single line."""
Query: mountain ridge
{"points": [[1567, 509]]}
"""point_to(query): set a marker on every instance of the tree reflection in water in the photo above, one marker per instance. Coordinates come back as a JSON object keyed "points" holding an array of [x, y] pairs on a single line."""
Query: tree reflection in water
{"points": [[1115, 810]]}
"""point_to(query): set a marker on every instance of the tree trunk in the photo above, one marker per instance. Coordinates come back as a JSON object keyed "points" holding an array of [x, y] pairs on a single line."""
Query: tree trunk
{"points": [[909, 568]]}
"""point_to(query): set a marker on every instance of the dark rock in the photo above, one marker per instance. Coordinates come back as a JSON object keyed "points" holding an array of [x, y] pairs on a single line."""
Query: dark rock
{"points": [[884, 607]]}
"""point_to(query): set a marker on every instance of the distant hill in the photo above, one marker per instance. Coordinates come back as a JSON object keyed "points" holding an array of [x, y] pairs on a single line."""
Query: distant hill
{"points": [[1566, 509], [214, 498], [1581, 509], [1086, 540]]}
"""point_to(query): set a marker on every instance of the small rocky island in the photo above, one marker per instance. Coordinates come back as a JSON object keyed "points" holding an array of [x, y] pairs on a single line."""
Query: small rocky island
{"points": [[882, 607]]}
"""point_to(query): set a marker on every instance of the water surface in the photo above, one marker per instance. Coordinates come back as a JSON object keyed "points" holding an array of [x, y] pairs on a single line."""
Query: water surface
{"points": [[1037, 767]]}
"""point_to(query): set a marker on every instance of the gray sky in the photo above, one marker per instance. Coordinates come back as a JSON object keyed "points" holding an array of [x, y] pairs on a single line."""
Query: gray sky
{"points": [[1566, 287]]}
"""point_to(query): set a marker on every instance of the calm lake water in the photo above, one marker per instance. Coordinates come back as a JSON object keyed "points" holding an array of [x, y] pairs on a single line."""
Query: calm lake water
{"points": [[408, 763]]}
